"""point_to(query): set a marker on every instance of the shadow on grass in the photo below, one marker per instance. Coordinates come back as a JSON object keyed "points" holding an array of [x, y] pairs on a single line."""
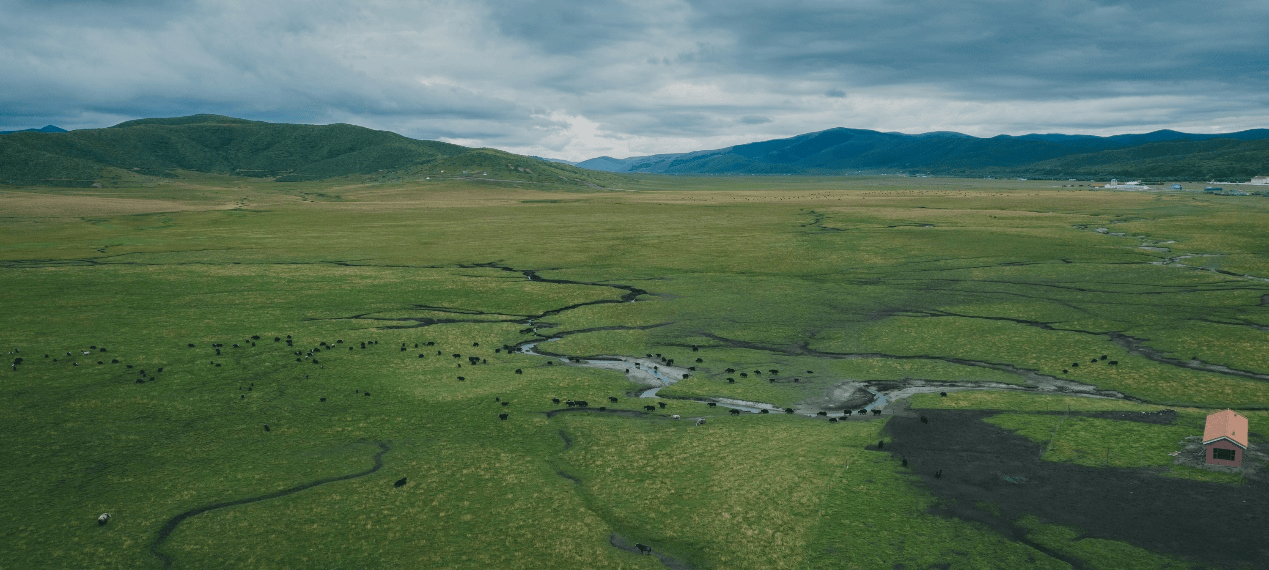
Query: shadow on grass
{"points": [[1219, 524]]}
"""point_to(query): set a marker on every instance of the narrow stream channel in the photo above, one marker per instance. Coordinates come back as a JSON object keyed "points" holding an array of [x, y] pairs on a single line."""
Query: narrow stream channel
{"points": [[656, 376]]}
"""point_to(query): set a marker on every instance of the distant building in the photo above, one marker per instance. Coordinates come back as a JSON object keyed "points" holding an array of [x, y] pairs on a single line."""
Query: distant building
{"points": [[1225, 438], [1260, 180], [1213, 189], [1177, 187], [1134, 185]]}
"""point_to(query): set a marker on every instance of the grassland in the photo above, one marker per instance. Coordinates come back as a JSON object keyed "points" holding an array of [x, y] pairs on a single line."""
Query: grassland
{"points": [[828, 280]]}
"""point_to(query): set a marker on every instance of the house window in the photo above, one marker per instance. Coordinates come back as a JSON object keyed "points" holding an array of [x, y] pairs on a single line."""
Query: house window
{"points": [[1223, 454]]}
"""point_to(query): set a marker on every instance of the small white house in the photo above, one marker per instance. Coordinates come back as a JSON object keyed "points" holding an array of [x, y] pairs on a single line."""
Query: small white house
{"points": [[1260, 180]]}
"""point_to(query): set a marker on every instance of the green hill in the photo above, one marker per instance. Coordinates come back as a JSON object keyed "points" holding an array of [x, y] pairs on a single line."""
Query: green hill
{"points": [[225, 145], [841, 151], [1198, 160]]}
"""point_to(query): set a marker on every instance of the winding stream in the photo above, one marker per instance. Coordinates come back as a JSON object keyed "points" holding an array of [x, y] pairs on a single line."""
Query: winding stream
{"points": [[655, 376], [156, 547]]}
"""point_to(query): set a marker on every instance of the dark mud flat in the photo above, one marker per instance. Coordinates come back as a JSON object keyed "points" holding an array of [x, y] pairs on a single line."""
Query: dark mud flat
{"points": [[1206, 523]]}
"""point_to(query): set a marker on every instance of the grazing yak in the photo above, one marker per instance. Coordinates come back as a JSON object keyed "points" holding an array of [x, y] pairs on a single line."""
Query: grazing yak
{"points": [[735, 412], [650, 408], [643, 548], [103, 519], [400, 483], [612, 399], [502, 416]]}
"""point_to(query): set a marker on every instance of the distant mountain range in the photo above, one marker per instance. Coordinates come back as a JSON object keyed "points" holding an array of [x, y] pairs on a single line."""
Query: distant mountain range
{"points": [[146, 148], [1159, 154], [44, 129]]}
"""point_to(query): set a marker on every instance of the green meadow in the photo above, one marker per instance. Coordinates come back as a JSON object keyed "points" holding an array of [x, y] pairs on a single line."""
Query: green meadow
{"points": [[826, 280]]}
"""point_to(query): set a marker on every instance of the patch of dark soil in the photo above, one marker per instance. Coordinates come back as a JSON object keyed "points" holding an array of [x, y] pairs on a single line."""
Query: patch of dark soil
{"points": [[568, 476], [620, 542], [1217, 524], [568, 441], [1264, 300], [887, 386]]}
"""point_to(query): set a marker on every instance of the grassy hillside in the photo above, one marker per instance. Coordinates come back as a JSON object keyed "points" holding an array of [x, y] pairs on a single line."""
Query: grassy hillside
{"points": [[1201, 160], [1162, 154], [224, 145]]}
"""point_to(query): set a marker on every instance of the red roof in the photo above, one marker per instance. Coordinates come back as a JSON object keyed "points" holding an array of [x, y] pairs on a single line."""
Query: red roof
{"points": [[1227, 424]]}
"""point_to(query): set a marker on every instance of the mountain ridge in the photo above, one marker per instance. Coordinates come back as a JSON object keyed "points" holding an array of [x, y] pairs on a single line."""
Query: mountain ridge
{"points": [[44, 129], [162, 147], [843, 151]]}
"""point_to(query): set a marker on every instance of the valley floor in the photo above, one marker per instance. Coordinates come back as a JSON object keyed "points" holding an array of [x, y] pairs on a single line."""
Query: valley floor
{"points": [[249, 373]]}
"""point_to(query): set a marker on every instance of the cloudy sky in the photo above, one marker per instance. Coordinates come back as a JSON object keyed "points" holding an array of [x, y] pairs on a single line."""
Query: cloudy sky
{"points": [[580, 79]]}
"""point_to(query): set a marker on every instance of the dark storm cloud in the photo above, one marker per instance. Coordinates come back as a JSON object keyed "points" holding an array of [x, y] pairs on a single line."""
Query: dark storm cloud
{"points": [[981, 46], [581, 79]]}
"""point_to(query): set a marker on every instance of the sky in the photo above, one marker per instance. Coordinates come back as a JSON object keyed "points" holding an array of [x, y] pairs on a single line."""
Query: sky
{"points": [[576, 80]]}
